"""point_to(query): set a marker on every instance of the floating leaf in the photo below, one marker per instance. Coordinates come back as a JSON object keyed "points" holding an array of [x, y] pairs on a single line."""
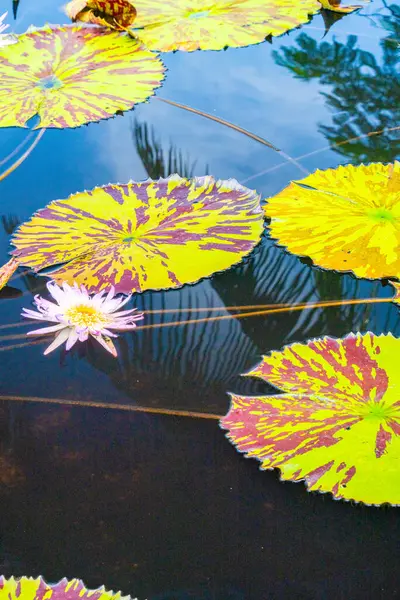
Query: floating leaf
{"points": [[139, 236], [28, 588], [196, 24], [346, 219], [74, 75], [336, 6], [116, 14], [337, 426], [7, 271]]}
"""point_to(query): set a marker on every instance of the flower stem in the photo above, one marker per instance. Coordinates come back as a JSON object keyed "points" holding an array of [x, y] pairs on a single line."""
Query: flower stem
{"points": [[125, 407], [201, 113], [293, 307], [24, 156], [277, 309], [324, 149], [17, 149]]}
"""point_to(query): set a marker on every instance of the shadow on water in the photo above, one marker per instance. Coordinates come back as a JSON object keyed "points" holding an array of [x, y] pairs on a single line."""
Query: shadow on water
{"points": [[159, 506]]}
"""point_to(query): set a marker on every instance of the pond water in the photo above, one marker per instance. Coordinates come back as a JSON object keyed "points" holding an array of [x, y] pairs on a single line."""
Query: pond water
{"points": [[159, 506]]}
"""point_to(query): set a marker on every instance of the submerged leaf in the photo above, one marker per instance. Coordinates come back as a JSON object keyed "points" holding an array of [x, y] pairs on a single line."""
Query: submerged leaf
{"points": [[115, 14], [337, 424], [345, 219], [196, 24], [28, 588], [139, 236], [74, 75]]}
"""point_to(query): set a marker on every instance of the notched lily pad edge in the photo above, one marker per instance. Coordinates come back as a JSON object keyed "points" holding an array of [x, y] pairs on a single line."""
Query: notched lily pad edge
{"points": [[235, 184], [268, 38], [63, 580], [118, 112], [314, 265], [254, 459]]}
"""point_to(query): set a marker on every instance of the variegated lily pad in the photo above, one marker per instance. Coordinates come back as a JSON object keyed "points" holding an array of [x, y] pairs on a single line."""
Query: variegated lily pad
{"points": [[70, 76], [337, 424], [196, 24], [189, 25], [139, 236], [345, 219], [29, 588]]}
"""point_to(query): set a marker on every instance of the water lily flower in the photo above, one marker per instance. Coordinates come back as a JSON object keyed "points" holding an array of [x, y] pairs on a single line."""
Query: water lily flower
{"points": [[6, 39], [79, 315]]}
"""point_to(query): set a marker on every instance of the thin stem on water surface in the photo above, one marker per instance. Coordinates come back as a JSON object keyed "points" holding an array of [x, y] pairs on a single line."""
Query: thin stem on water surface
{"points": [[324, 149], [282, 309], [23, 345], [293, 307], [17, 149], [201, 113], [106, 405], [162, 311], [19, 275], [249, 134], [24, 156]]}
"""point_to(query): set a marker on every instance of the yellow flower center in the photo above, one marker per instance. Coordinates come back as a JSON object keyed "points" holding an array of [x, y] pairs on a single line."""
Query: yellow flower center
{"points": [[85, 316]]}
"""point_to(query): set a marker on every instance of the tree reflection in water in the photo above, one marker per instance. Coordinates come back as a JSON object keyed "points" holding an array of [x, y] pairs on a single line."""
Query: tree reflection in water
{"points": [[363, 89]]}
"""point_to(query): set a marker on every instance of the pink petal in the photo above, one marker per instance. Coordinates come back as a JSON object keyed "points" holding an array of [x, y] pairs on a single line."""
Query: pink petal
{"points": [[60, 339], [107, 344], [105, 332], [122, 326], [83, 335], [127, 312], [55, 291], [46, 330], [111, 294], [116, 303], [31, 314], [72, 338]]}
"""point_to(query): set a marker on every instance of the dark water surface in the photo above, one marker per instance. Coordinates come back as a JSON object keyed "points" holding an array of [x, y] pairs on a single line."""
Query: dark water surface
{"points": [[163, 507]]}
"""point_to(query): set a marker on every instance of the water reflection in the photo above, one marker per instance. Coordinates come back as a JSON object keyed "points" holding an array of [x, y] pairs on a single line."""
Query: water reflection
{"points": [[156, 162], [15, 5], [182, 366], [9, 292], [388, 18], [156, 506], [362, 90], [158, 364], [271, 275]]}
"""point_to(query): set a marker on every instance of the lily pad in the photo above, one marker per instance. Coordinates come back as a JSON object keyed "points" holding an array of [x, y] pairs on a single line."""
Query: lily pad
{"points": [[118, 14], [28, 588], [73, 75], [197, 24], [345, 219], [139, 236], [337, 424]]}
